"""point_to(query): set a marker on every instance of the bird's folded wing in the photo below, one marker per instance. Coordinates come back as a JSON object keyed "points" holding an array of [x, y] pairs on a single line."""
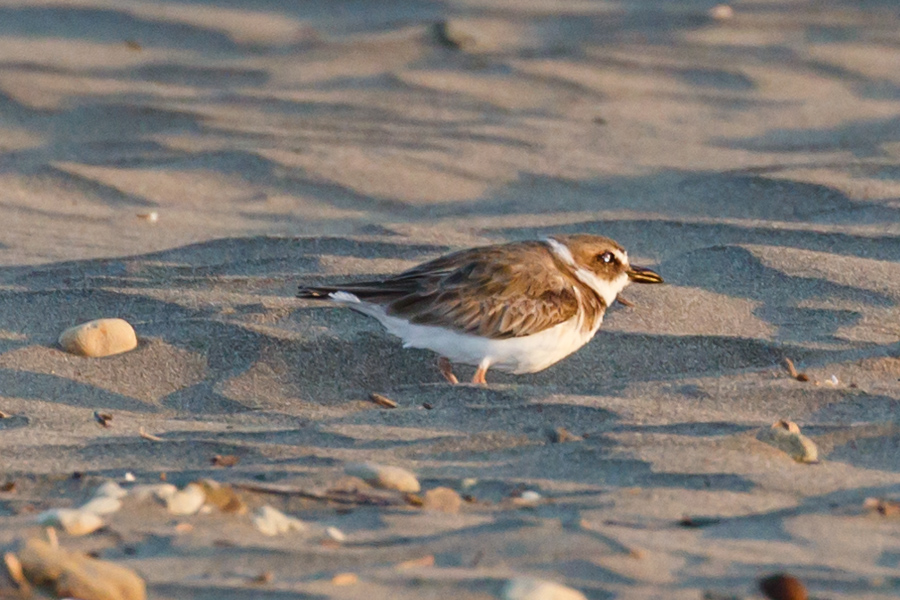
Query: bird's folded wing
{"points": [[497, 292]]}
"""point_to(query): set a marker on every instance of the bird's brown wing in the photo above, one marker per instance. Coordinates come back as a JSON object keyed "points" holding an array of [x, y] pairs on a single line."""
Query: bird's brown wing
{"points": [[498, 292]]}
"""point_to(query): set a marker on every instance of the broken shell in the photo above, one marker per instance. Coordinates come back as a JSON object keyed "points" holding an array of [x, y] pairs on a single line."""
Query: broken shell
{"points": [[160, 491], [102, 505], [110, 489], [382, 400], [271, 521], [526, 588], [786, 436], [73, 521], [14, 569], [75, 575], [385, 477], [187, 501], [223, 497]]}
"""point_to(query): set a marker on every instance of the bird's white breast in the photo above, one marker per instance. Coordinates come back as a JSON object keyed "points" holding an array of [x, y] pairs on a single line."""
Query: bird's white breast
{"points": [[526, 354]]}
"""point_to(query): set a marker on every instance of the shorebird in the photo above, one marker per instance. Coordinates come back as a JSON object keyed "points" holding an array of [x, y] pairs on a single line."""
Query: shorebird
{"points": [[517, 307]]}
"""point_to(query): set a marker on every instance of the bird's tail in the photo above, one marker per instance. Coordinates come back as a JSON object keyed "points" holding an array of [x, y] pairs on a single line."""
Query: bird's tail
{"points": [[318, 292], [365, 291]]}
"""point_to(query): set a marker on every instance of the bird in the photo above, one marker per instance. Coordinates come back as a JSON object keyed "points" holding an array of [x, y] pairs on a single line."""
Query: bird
{"points": [[517, 307]]}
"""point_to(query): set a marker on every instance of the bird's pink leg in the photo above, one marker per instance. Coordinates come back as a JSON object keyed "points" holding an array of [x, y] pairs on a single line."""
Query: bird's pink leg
{"points": [[446, 370], [480, 372]]}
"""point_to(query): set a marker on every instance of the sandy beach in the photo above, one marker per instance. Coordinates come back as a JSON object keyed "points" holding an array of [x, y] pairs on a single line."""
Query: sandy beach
{"points": [[186, 164]]}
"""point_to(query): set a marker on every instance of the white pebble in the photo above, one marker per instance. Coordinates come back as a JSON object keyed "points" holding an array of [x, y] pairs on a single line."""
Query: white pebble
{"points": [[336, 534], [528, 498], [385, 477], [129, 477], [102, 337], [187, 501], [73, 521], [526, 588], [721, 12], [271, 521]]}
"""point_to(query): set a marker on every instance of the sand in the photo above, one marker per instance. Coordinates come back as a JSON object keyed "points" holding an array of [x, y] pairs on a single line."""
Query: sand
{"points": [[753, 161]]}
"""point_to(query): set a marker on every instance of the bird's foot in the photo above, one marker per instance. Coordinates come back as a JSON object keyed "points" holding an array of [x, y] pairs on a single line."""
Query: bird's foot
{"points": [[446, 370], [479, 376]]}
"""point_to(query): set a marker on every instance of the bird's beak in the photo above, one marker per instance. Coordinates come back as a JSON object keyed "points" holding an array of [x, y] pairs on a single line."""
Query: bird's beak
{"points": [[643, 275]]}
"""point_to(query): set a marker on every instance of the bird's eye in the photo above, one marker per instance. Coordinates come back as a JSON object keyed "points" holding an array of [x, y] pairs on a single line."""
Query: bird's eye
{"points": [[606, 257]]}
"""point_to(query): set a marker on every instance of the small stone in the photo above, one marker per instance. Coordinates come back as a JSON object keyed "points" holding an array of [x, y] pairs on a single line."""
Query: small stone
{"points": [[103, 419], [385, 477], [442, 499], [468, 483], [481, 35], [271, 521], [698, 522], [786, 436], [450, 35], [262, 578], [187, 501], [129, 477], [526, 588], [225, 460], [783, 587], [345, 579], [561, 435], [102, 337], [721, 12], [150, 217], [885, 508], [335, 534], [73, 521]]}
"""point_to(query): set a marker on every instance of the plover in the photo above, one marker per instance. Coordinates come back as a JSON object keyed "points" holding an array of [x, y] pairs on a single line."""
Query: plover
{"points": [[517, 307]]}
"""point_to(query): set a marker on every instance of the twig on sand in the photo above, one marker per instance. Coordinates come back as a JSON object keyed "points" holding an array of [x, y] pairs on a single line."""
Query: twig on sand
{"points": [[793, 371], [382, 401], [624, 302], [149, 436]]}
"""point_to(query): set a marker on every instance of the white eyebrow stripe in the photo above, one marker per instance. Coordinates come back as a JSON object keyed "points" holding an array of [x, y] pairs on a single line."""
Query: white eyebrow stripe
{"points": [[560, 250]]}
